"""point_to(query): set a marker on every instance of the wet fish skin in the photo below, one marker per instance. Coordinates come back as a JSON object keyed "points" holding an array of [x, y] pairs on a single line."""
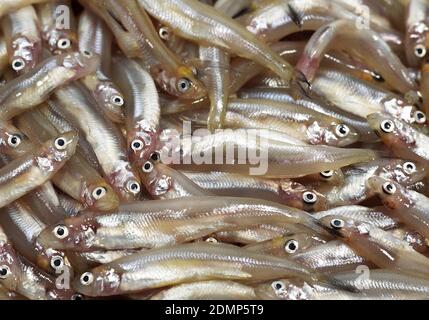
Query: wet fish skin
{"points": [[143, 271], [407, 206], [36, 167], [159, 223], [34, 87], [197, 21], [404, 140]]}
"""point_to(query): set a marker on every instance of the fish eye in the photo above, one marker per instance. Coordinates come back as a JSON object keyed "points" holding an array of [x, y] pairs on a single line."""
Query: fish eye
{"points": [[147, 167], [327, 174], [4, 271], [389, 188], [60, 143], [18, 64], [409, 167], [291, 246], [57, 262], [13, 141], [117, 100], [183, 85], [137, 145], [86, 278], [377, 77], [77, 296], [278, 285], [420, 50], [337, 223], [420, 117], [211, 240], [342, 130], [164, 33], [61, 232], [155, 156], [387, 126], [133, 186], [87, 53], [63, 43], [309, 197], [99, 193]]}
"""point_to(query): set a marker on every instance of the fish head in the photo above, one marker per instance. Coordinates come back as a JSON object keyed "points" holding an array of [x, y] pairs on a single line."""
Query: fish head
{"points": [[142, 143], [57, 150], [100, 281], [10, 266], [112, 100], [294, 194], [391, 194], [392, 131], [60, 41], [284, 289], [156, 178], [100, 196], [81, 63], [340, 226], [51, 260], [341, 135], [12, 141], [182, 83], [292, 244], [75, 233], [404, 172]]}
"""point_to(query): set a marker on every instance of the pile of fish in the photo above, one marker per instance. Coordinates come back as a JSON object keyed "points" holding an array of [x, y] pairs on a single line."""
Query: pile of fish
{"points": [[229, 149]]}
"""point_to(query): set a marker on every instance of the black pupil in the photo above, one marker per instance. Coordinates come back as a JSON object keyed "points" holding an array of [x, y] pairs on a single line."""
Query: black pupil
{"points": [[387, 125], [14, 140], [61, 142], [77, 297], [310, 196], [98, 192], [184, 84], [292, 246], [85, 278], [410, 166], [342, 130], [420, 115], [117, 99], [18, 64], [278, 286], [147, 166], [154, 157], [389, 187], [87, 53], [57, 262], [419, 50], [337, 223], [137, 145], [134, 186], [3, 272], [60, 231]]}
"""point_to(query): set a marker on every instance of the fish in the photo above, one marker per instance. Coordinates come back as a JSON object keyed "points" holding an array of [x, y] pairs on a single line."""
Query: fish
{"points": [[75, 104], [163, 182], [24, 42], [143, 108], [339, 35], [378, 246], [58, 34], [407, 206], [207, 290], [404, 140], [158, 223], [233, 37], [282, 191], [35, 167], [138, 38], [77, 177], [144, 271], [94, 36], [416, 38], [35, 86], [354, 190], [8, 6]]}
